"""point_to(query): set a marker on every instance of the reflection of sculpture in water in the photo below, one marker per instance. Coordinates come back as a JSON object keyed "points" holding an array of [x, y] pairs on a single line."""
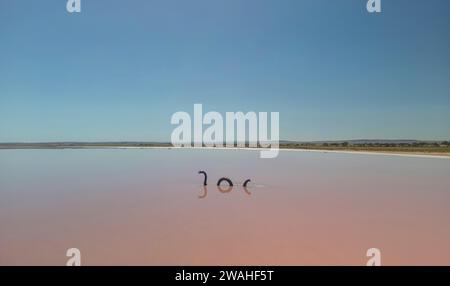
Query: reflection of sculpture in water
{"points": [[246, 190], [205, 193], [222, 190], [227, 190], [219, 185]]}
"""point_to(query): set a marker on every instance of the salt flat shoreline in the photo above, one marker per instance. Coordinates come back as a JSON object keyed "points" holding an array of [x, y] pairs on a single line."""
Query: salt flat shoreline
{"points": [[382, 153], [301, 150]]}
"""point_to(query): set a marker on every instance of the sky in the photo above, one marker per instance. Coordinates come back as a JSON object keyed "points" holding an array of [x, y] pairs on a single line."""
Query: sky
{"points": [[118, 70]]}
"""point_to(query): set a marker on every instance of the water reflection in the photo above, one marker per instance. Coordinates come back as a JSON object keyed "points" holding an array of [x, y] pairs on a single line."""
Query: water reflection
{"points": [[205, 193], [222, 189]]}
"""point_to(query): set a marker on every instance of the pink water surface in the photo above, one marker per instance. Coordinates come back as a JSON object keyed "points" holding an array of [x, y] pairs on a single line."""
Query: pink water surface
{"points": [[148, 207]]}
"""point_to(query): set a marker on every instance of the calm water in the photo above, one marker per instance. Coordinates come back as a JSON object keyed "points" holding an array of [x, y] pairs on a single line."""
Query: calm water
{"points": [[148, 207]]}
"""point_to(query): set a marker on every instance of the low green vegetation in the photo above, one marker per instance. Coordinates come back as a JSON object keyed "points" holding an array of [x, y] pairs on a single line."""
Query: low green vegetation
{"points": [[410, 147], [424, 147]]}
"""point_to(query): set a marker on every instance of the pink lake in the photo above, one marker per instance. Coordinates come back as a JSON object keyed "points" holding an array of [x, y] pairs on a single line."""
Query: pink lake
{"points": [[148, 207]]}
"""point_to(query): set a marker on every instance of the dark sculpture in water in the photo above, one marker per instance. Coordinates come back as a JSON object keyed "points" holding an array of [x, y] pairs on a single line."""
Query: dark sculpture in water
{"points": [[230, 183], [206, 177], [219, 187]]}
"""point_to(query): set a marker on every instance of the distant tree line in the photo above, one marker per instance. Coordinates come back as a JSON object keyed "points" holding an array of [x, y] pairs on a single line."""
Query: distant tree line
{"points": [[377, 144]]}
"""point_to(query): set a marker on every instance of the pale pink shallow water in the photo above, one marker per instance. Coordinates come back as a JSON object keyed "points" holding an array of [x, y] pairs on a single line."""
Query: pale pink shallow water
{"points": [[144, 207]]}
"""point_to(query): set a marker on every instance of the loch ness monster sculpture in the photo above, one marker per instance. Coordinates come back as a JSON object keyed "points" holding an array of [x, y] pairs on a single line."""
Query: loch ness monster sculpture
{"points": [[230, 183]]}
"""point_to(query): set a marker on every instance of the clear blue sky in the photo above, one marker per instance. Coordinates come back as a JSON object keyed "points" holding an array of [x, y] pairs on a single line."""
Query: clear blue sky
{"points": [[120, 69]]}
